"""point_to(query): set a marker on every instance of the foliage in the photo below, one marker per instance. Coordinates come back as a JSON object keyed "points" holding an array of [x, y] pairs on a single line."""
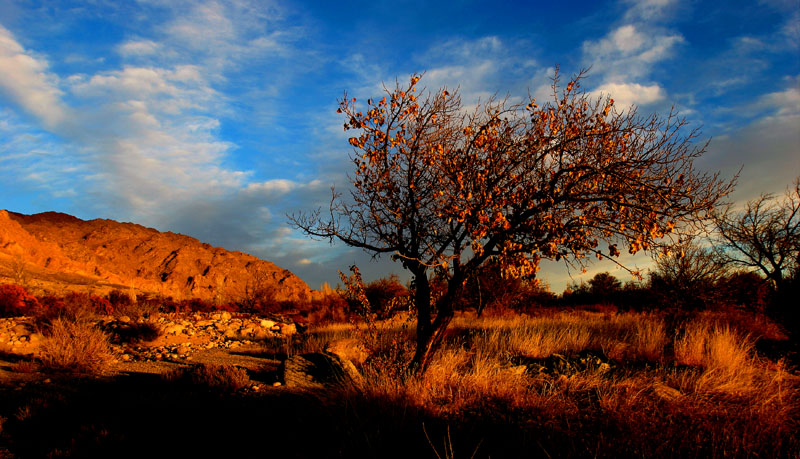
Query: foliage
{"points": [[604, 286], [136, 332], [490, 289], [442, 188], [386, 296], [16, 301]]}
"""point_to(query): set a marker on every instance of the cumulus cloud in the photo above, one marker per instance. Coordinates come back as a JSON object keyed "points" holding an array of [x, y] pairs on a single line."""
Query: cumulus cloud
{"points": [[25, 78], [627, 94]]}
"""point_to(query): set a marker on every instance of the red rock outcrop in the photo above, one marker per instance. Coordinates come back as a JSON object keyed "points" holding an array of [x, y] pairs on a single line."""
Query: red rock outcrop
{"points": [[131, 255]]}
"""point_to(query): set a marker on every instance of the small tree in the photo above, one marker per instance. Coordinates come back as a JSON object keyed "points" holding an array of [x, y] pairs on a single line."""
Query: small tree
{"points": [[764, 236], [442, 188], [604, 287]]}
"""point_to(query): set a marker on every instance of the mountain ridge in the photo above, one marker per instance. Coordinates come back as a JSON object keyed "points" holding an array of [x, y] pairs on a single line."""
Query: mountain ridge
{"points": [[108, 254]]}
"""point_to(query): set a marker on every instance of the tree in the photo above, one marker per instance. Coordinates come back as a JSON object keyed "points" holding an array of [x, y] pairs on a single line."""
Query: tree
{"points": [[604, 287], [686, 276], [442, 188], [764, 236]]}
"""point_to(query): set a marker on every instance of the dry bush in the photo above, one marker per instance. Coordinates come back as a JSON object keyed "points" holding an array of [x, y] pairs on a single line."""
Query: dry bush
{"points": [[75, 347], [220, 378]]}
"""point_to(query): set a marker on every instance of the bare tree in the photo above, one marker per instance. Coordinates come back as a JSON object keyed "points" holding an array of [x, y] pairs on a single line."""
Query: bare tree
{"points": [[764, 236], [442, 188]]}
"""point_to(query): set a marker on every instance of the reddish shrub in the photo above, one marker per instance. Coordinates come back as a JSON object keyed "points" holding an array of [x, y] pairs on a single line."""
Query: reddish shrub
{"points": [[385, 295], [332, 308], [16, 301], [73, 306]]}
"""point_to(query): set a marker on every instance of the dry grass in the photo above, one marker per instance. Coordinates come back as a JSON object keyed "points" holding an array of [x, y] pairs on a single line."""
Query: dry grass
{"points": [[706, 381], [75, 347], [220, 378]]}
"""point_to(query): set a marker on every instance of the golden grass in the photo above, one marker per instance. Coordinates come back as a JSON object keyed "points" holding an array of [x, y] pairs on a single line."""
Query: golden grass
{"points": [[75, 347], [707, 379]]}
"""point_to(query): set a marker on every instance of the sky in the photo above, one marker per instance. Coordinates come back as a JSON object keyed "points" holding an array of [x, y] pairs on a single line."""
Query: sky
{"points": [[216, 119]]}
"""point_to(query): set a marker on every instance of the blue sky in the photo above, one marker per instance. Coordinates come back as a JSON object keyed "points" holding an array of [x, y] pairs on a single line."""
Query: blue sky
{"points": [[216, 119]]}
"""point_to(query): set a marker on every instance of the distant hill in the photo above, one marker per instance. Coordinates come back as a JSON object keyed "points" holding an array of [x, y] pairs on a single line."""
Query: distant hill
{"points": [[56, 251]]}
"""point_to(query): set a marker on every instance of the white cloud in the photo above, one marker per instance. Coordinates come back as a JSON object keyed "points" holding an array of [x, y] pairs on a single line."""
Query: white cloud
{"points": [[26, 80], [139, 48], [627, 94], [627, 54], [786, 102], [648, 9]]}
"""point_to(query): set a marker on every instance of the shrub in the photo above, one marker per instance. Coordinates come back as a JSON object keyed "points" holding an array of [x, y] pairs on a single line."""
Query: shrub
{"points": [[221, 378], [385, 295], [331, 308], [745, 290], [73, 306], [16, 301], [75, 347]]}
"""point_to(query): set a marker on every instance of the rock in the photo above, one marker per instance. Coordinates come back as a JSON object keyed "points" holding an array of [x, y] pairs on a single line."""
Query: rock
{"points": [[318, 370], [349, 349], [268, 324], [288, 329], [22, 329], [666, 393], [225, 315], [174, 329]]}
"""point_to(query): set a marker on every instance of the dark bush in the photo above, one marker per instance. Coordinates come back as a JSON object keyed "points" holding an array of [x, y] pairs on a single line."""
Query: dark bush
{"points": [[745, 290]]}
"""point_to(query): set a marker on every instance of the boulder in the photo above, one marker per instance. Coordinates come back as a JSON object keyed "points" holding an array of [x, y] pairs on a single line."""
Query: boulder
{"points": [[319, 370]]}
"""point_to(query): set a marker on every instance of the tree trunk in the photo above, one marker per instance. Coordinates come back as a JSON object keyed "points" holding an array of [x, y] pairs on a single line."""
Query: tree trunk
{"points": [[431, 335]]}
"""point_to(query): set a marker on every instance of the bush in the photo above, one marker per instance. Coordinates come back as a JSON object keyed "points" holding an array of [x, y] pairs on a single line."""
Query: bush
{"points": [[16, 301], [386, 296], [331, 308], [75, 347], [222, 378], [746, 290], [73, 306]]}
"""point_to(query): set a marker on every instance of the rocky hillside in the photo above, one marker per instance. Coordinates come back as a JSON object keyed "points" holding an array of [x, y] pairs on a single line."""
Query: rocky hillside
{"points": [[58, 251]]}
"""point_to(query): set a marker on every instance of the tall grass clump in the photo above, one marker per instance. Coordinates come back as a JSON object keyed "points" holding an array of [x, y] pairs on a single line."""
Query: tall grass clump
{"points": [[76, 347]]}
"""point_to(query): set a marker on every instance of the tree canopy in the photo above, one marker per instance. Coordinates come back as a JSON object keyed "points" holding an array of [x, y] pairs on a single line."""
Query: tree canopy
{"points": [[442, 187]]}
